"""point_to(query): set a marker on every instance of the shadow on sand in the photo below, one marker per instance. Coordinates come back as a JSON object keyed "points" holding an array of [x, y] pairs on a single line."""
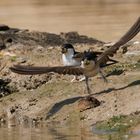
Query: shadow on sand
{"points": [[57, 106], [135, 83]]}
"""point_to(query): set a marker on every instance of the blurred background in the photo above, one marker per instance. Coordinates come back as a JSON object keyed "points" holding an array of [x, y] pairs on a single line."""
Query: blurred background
{"points": [[106, 20]]}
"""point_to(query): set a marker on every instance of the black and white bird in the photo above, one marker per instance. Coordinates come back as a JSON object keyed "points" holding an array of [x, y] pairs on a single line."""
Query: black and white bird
{"points": [[68, 53], [70, 57], [89, 67]]}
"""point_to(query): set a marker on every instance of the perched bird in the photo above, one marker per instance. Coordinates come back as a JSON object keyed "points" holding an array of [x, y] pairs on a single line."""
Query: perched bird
{"points": [[70, 57], [89, 67], [68, 53]]}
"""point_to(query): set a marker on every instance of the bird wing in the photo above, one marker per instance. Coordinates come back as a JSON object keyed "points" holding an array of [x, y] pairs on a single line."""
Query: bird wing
{"points": [[79, 55], [28, 70], [132, 32], [93, 55], [82, 54]]}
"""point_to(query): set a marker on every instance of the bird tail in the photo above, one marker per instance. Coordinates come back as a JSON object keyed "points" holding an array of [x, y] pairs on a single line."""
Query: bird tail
{"points": [[108, 64], [112, 60]]}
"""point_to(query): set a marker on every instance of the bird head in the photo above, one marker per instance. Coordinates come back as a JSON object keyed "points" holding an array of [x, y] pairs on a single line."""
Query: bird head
{"points": [[88, 59], [89, 55], [88, 64], [67, 48]]}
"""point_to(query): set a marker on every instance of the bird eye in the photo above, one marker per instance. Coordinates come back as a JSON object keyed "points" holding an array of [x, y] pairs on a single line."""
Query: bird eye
{"points": [[64, 50], [87, 62]]}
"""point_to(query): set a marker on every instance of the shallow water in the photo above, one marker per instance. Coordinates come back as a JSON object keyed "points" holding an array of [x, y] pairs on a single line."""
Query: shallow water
{"points": [[106, 20], [63, 132], [42, 133], [49, 133]]}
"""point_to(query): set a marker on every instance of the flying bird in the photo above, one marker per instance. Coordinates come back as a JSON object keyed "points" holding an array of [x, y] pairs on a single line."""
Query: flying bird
{"points": [[89, 67], [71, 57]]}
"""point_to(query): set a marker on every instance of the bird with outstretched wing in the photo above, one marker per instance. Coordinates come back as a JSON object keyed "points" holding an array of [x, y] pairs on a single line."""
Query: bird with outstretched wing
{"points": [[89, 67]]}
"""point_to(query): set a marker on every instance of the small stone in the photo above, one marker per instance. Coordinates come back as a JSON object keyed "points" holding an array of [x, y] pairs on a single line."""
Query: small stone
{"points": [[126, 136], [21, 60], [4, 27], [88, 103], [131, 121]]}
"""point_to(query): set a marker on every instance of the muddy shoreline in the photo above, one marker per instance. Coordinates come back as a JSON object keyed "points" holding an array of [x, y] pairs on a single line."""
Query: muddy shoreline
{"points": [[52, 97]]}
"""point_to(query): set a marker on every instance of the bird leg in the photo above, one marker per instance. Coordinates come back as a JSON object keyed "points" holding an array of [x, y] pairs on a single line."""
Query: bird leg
{"points": [[87, 85], [102, 75], [82, 79], [75, 78]]}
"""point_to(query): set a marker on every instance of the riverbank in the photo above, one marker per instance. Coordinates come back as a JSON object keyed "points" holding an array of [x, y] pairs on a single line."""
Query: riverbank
{"points": [[52, 97]]}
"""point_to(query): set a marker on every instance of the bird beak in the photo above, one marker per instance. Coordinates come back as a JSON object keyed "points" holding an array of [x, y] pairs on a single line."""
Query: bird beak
{"points": [[86, 62], [64, 50]]}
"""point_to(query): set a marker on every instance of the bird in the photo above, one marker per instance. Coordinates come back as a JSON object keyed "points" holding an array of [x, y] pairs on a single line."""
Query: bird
{"points": [[89, 67], [71, 57]]}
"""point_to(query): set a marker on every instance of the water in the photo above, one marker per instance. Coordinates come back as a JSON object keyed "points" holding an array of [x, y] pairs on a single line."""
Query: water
{"points": [[106, 20], [63, 132], [59, 132]]}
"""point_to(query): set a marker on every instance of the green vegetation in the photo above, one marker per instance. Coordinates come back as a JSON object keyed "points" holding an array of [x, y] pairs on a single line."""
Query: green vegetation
{"points": [[118, 127], [118, 124], [13, 58], [120, 67]]}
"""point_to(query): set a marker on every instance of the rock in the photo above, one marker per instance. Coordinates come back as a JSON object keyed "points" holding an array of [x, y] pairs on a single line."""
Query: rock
{"points": [[4, 27], [44, 39], [87, 103], [4, 89]]}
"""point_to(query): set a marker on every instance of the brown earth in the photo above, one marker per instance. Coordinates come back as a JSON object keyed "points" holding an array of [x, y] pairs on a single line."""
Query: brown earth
{"points": [[53, 98]]}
